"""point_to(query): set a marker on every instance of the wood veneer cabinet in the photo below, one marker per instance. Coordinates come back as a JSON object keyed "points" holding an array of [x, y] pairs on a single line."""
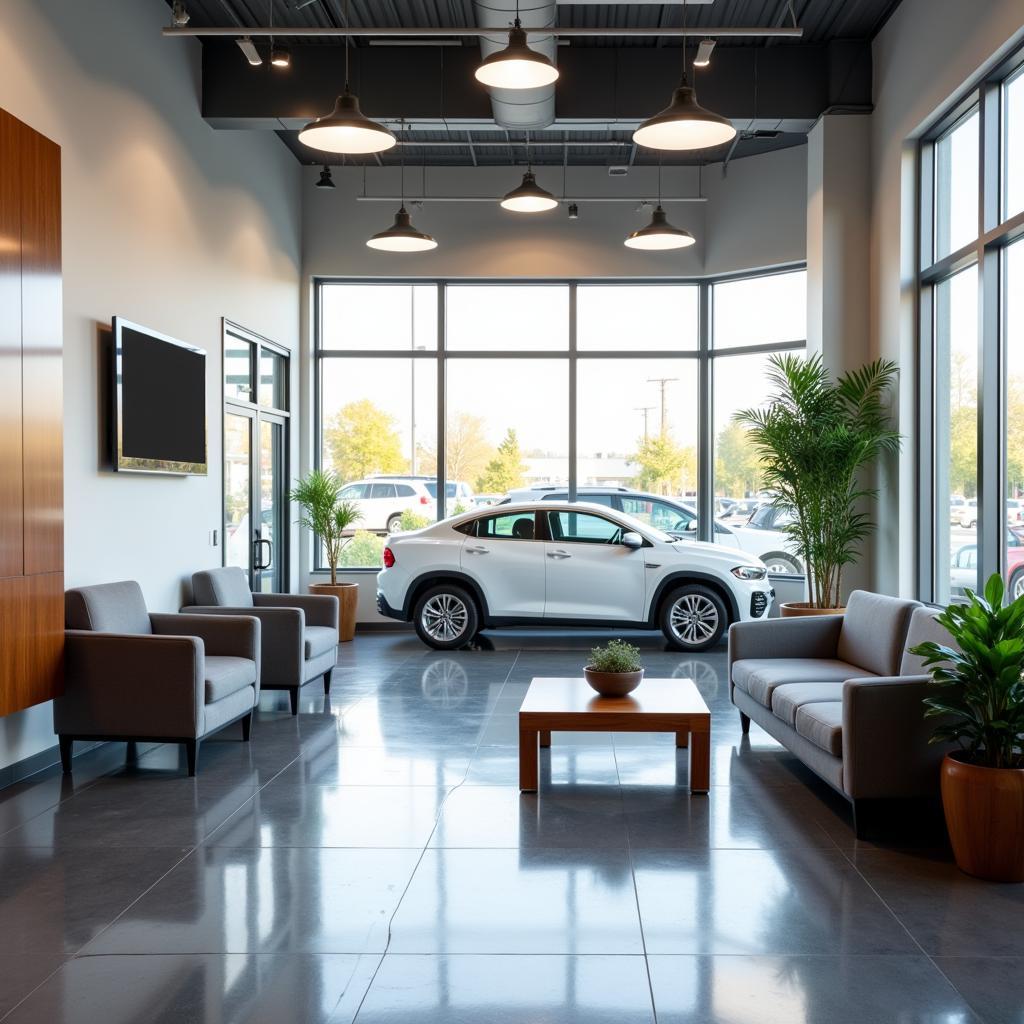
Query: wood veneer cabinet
{"points": [[31, 419]]}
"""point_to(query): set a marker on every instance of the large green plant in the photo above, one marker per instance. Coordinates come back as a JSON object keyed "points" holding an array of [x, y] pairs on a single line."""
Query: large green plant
{"points": [[815, 436], [325, 513], [979, 692]]}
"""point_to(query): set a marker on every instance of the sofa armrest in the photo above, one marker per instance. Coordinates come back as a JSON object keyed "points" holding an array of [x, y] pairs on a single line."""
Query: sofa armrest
{"points": [[319, 609], [131, 685], [886, 753], [813, 636]]}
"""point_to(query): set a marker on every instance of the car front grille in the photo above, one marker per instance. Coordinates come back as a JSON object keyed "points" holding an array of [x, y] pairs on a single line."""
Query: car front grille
{"points": [[758, 604]]}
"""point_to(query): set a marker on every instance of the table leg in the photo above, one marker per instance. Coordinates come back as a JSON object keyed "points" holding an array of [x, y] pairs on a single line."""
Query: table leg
{"points": [[700, 762], [527, 760], [545, 737], [682, 739]]}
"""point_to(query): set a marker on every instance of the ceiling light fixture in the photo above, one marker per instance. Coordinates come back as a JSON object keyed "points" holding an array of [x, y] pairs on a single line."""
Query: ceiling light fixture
{"points": [[346, 129], [528, 196], [574, 212], [179, 14], [326, 181], [684, 124], [248, 47], [516, 66], [659, 235], [280, 56], [402, 236], [704, 51]]}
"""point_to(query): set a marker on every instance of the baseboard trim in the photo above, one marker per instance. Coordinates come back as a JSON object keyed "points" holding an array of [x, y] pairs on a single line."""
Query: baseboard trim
{"points": [[24, 769]]}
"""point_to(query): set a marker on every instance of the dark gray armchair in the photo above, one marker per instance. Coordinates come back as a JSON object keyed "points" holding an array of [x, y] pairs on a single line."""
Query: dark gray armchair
{"points": [[133, 676], [300, 631]]}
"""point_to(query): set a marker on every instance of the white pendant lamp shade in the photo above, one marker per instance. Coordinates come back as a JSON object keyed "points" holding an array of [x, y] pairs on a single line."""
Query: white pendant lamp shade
{"points": [[516, 66], [529, 197], [659, 234], [684, 124], [346, 129], [402, 236]]}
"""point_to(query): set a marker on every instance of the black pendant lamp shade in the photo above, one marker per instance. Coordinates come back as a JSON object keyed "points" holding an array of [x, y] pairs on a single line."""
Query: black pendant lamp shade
{"points": [[346, 129], [402, 236], [516, 66], [684, 124], [529, 197], [659, 234], [326, 181]]}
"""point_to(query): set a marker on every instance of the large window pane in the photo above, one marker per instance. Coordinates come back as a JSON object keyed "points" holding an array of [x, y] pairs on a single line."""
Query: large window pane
{"points": [[637, 425], [956, 187], [760, 310], [956, 434], [655, 317], [506, 318], [1013, 145], [508, 423], [389, 317], [1013, 326]]}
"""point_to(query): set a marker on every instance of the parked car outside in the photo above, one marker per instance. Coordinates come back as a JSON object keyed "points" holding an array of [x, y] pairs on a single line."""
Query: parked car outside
{"points": [[1014, 512], [968, 514], [956, 507], [764, 533], [458, 496], [383, 499], [963, 570], [740, 511], [562, 564]]}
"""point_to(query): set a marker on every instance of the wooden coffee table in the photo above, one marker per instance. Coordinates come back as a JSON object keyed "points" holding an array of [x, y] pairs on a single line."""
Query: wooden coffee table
{"points": [[656, 705]]}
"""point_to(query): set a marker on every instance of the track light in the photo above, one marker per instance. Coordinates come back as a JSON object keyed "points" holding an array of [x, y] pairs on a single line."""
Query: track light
{"points": [[280, 57], [704, 50], [659, 234], [326, 181], [574, 212], [516, 66], [529, 197], [179, 14], [248, 47]]}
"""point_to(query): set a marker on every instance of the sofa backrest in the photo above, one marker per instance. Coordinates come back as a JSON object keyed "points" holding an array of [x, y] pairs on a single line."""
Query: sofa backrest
{"points": [[924, 626], [874, 631], [227, 586], [107, 608]]}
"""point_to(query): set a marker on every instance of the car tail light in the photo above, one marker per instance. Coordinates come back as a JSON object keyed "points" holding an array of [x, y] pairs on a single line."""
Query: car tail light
{"points": [[424, 500], [389, 558]]}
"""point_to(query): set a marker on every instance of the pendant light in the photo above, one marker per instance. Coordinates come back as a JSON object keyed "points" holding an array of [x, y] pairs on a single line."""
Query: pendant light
{"points": [[326, 181], [528, 197], [659, 235], [346, 129], [684, 124], [402, 236], [516, 66]]}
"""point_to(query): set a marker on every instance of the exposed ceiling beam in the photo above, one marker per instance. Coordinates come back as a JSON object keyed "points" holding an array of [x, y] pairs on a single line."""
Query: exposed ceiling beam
{"points": [[471, 31]]}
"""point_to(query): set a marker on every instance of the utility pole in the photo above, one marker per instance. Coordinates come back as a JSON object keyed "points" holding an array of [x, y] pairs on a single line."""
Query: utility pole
{"points": [[662, 382], [645, 409]]}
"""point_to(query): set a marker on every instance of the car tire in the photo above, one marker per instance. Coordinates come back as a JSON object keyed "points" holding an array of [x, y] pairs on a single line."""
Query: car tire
{"points": [[1016, 584], [693, 618], [394, 523], [446, 617], [781, 564]]}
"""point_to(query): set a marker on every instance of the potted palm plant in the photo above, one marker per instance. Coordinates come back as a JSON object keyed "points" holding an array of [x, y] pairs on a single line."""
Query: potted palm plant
{"points": [[815, 438], [979, 701], [614, 669], [328, 517]]}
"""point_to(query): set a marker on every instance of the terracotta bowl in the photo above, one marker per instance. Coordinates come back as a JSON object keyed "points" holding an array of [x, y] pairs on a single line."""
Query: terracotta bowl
{"points": [[613, 684]]}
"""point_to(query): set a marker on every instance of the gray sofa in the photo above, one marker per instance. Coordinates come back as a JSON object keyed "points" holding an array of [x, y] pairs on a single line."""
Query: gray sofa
{"points": [[133, 676], [844, 695], [300, 631]]}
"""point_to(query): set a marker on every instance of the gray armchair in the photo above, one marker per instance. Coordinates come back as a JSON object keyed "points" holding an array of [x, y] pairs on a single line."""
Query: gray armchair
{"points": [[300, 631], [157, 678]]}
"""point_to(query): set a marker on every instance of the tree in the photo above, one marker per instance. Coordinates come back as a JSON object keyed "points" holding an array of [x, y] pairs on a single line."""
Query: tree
{"points": [[363, 439], [665, 466], [467, 451], [737, 462], [506, 470]]}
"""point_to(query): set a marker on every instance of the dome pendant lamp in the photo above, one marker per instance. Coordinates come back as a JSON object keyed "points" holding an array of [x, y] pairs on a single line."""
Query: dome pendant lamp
{"points": [[346, 129], [528, 197], [684, 124], [659, 234], [516, 66], [402, 236]]}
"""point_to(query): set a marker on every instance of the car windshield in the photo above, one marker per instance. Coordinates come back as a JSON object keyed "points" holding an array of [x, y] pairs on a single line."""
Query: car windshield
{"points": [[644, 529]]}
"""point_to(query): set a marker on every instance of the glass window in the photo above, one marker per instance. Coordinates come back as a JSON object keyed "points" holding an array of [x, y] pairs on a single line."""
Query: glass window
{"points": [[1013, 145], [383, 491], [385, 317], [956, 186], [1013, 330], [594, 499], [583, 528], [649, 316], [355, 491], [661, 515], [273, 382], [511, 318], [405, 491], [238, 360], [512, 526], [764, 310]]}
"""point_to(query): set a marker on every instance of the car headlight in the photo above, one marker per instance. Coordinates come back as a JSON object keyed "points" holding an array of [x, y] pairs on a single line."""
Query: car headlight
{"points": [[749, 572]]}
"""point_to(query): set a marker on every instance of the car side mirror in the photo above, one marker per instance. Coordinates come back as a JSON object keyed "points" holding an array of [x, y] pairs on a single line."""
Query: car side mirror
{"points": [[691, 526], [632, 540]]}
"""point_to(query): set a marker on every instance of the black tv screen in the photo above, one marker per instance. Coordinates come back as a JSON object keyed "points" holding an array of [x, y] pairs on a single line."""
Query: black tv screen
{"points": [[160, 396]]}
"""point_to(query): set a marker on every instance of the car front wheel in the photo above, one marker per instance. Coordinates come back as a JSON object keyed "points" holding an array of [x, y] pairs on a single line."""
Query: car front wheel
{"points": [[781, 564], [693, 618], [394, 524], [1017, 584], [445, 617]]}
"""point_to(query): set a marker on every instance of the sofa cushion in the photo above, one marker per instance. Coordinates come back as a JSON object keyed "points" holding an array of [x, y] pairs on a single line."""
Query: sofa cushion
{"points": [[760, 676], [107, 608], [786, 699], [924, 626], [821, 723], [319, 640], [225, 676], [227, 586], [874, 632]]}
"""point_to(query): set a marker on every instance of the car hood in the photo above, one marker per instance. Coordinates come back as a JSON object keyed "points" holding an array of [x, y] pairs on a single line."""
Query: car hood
{"points": [[729, 557]]}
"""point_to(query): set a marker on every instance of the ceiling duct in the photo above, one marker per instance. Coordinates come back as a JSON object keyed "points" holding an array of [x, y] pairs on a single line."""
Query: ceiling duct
{"points": [[520, 109]]}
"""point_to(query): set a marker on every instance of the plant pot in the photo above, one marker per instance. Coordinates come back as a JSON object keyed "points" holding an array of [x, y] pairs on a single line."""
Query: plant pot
{"points": [[985, 818], [796, 609], [613, 684], [347, 595]]}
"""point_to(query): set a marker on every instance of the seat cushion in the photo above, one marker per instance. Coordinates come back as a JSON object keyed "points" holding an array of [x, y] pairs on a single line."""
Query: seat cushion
{"points": [[786, 699], [225, 676], [226, 586], [319, 640], [822, 724], [874, 632], [760, 676]]}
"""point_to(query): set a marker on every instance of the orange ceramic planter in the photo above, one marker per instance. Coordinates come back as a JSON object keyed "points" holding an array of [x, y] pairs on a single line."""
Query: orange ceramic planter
{"points": [[347, 595], [795, 609]]}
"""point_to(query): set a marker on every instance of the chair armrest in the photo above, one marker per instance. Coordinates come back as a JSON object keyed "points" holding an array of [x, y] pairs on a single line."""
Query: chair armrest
{"points": [[280, 641], [233, 635], [886, 753], [131, 685], [813, 636], [319, 609]]}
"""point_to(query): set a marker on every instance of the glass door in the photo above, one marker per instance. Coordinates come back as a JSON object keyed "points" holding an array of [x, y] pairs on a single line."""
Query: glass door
{"points": [[238, 489], [272, 534]]}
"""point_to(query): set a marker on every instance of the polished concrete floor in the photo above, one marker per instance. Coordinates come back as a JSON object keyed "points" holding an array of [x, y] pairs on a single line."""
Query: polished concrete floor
{"points": [[372, 860]]}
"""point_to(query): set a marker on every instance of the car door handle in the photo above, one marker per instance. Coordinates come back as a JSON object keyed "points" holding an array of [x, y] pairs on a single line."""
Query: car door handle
{"points": [[559, 554], [477, 551]]}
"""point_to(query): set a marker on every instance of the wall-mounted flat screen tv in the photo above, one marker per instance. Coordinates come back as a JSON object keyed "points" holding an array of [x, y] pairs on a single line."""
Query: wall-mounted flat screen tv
{"points": [[160, 402]]}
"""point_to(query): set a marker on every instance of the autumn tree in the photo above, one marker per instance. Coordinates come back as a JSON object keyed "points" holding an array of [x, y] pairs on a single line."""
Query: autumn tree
{"points": [[737, 462], [467, 450], [666, 467], [506, 470], [362, 439]]}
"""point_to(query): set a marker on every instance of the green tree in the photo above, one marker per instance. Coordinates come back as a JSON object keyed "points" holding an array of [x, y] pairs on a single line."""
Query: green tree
{"points": [[364, 551], [363, 439], [665, 466], [737, 462], [506, 470], [963, 426], [467, 451]]}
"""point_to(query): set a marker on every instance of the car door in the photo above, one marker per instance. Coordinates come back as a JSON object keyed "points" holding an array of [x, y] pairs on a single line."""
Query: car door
{"points": [[506, 560], [590, 574], [358, 494]]}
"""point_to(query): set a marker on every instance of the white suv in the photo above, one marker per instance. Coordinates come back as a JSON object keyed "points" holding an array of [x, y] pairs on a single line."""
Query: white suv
{"points": [[383, 499], [559, 564]]}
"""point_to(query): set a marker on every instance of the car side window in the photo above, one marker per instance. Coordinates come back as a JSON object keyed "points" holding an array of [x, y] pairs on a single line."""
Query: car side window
{"points": [[353, 491], [382, 490], [583, 528], [658, 514], [405, 491], [510, 526]]}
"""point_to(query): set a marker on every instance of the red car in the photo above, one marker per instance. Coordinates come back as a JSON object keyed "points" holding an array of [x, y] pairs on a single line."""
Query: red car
{"points": [[963, 570]]}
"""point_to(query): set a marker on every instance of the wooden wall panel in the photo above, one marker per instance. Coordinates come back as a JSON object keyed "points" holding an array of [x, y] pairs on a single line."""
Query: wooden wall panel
{"points": [[12, 560], [32, 627]]}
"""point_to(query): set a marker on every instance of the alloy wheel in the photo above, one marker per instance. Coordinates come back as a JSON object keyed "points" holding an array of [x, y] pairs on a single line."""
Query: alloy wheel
{"points": [[694, 619], [444, 618]]}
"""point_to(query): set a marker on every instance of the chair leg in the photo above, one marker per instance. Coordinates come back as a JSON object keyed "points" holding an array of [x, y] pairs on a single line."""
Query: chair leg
{"points": [[66, 744], [131, 754], [327, 680], [745, 723], [191, 755], [247, 727], [293, 696]]}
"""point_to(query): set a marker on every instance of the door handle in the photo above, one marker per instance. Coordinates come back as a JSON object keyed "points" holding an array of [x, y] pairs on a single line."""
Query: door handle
{"points": [[477, 551], [259, 566], [559, 554]]}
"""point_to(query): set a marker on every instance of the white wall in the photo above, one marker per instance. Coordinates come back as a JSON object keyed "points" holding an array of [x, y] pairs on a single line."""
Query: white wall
{"points": [[929, 52], [165, 222]]}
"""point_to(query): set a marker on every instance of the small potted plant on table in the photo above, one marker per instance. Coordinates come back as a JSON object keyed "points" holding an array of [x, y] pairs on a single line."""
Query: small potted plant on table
{"points": [[979, 699], [614, 669], [328, 517]]}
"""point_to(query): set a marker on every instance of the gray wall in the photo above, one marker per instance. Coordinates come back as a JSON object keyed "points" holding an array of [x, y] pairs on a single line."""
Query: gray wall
{"points": [[165, 222]]}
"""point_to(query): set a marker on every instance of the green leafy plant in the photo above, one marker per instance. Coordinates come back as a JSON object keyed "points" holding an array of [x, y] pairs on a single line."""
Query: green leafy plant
{"points": [[325, 513], [979, 693], [814, 437], [412, 521], [615, 656], [364, 551]]}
